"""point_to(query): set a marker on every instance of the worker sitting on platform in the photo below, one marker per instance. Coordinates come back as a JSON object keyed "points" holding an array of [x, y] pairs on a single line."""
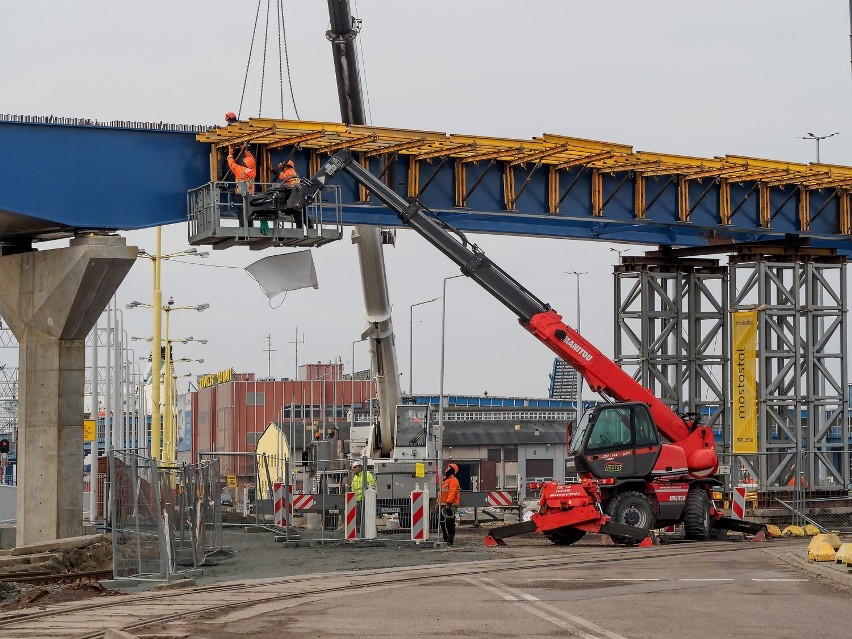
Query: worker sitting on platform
{"points": [[289, 183], [244, 173]]}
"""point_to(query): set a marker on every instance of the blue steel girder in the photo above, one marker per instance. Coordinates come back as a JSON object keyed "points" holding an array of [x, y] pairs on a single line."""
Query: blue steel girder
{"points": [[73, 177]]}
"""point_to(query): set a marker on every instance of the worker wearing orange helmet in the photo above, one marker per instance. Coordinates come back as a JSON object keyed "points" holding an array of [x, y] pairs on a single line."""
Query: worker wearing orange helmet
{"points": [[287, 175], [230, 117], [448, 503], [244, 173], [288, 179]]}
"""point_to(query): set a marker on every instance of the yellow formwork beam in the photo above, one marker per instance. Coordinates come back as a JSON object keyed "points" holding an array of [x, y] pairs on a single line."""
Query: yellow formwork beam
{"points": [[560, 152]]}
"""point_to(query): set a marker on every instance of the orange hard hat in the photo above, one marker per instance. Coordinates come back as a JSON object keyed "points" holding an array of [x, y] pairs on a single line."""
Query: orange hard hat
{"points": [[454, 468], [230, 115], [290, 163]]}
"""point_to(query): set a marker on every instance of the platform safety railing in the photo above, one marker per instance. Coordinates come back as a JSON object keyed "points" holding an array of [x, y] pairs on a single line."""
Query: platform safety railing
{"points": [[218, 205]]}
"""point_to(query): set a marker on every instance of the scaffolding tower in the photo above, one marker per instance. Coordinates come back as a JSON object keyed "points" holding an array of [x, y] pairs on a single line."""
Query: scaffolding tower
{"points": [[803, 429], [671, 332]]}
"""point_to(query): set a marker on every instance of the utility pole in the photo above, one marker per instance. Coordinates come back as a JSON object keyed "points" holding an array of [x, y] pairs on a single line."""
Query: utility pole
{"points": [[297, 342], [269, 350]]}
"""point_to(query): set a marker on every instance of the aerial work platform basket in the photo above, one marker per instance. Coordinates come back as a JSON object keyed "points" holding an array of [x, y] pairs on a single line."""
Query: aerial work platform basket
{"points": [[220, 217]]}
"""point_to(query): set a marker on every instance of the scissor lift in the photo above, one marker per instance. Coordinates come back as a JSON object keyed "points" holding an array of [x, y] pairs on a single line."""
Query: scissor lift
{"points": [[219, 217]]}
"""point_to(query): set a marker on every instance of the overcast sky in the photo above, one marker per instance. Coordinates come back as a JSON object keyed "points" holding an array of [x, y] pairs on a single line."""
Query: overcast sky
{"points": [[743, 77]]}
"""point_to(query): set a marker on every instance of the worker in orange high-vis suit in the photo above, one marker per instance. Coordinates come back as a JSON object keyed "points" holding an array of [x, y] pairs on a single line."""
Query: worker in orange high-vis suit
{"points": [[287, 180], [448, 503], [244, 173]]}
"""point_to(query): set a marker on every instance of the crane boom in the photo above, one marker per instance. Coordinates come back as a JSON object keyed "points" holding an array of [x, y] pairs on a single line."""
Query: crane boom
{"points": [[367, 239], [601, 373]]}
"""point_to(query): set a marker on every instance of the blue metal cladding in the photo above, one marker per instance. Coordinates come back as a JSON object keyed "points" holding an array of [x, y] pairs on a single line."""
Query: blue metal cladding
{"points": [[123, 178]]}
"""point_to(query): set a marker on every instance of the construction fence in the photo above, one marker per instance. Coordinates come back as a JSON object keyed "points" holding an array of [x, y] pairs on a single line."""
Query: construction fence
{"points": [[789, 486], [165, 520]]}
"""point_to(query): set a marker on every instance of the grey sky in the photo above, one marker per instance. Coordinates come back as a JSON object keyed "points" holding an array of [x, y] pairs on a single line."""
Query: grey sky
{"points": [[739, 77]]}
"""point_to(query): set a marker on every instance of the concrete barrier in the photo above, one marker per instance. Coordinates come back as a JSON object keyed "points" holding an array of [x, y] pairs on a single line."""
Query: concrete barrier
{"points": [[844, 555], [822, 549], [793, 531]]}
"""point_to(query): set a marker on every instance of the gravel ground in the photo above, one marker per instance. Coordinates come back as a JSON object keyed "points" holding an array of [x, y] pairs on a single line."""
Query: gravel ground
{"points": [[257, 555]]}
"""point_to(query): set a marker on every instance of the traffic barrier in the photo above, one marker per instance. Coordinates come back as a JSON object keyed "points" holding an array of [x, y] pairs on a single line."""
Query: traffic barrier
{"points": [[738, 507], [793, 531], [302, 502], [351, 511], [844, 555], [283, 511], [499, 498], [811, 530], [823, 547], [773, 531], [419, 516]]}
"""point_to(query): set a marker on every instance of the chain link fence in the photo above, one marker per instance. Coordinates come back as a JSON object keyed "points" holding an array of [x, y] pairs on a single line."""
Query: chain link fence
{"points": [[242, 486]]}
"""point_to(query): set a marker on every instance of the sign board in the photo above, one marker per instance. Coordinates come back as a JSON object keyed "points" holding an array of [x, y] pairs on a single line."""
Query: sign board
{"points": [[744, 364], [89, 430], [214, 379], [724, 469], [232, 481], [419, 469]]}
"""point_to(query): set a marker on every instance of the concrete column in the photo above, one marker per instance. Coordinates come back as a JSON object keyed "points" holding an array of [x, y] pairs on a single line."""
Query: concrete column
{"points": [[50, 300]]}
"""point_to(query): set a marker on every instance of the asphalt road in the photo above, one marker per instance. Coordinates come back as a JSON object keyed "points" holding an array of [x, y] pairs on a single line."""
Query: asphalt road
{"points": [[696, 591]]}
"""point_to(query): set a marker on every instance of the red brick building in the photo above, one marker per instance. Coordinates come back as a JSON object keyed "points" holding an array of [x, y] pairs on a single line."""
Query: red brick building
{"points": [[231, 410]]}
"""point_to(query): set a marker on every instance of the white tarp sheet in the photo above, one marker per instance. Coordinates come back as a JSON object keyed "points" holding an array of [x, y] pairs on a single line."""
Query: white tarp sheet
{"points": [[278, 274]]}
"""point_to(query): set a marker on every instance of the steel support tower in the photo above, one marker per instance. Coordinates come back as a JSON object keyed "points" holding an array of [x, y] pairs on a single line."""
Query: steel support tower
{"points": [[671, 332], [803, 429]]}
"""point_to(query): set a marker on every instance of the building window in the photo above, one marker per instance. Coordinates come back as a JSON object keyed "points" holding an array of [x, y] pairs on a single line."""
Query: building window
{"points": [[510, 482], [254, 399], [510, 454], [494, 454]]}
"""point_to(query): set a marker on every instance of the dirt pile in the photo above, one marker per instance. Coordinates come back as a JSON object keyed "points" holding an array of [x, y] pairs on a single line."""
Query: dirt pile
{"points": [[29, 596]]}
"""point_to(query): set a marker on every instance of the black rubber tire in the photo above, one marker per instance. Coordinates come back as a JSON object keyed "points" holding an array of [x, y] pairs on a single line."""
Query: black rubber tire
{"points": [[565, 536], [696, 515], [633, 509]]}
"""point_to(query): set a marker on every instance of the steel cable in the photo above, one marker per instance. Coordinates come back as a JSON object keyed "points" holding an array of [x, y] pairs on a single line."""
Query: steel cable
{"points": [[248, 64], [263, 65]]}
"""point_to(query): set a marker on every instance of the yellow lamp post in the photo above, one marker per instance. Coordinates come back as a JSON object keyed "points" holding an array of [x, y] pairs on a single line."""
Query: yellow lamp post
{"points": [[158, 446], [156, 362]]}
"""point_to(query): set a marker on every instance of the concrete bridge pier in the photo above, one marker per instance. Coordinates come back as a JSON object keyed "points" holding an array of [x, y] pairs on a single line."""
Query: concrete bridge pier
{"points": [[51, 299]]}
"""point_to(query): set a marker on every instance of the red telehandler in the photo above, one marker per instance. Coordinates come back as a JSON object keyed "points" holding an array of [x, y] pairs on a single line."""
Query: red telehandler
{"points": [[641, 465]]}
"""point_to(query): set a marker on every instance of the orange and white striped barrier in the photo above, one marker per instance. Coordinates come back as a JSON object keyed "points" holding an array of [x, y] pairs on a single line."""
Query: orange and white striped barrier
{"points": [[419, 515], [350, 512], [738, 505], [499, 498], [283, 512], [302, 502]]}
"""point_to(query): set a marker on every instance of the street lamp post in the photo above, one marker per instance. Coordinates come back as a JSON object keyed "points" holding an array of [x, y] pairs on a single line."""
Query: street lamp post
{"points": [[156, 362], [577, 274], [411, 344], [443, 342], [157, 442], [817, 139]]}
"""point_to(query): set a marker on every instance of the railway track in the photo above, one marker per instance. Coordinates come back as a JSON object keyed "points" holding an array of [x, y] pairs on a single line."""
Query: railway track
{"points": [[52, 577], [156, 610]]}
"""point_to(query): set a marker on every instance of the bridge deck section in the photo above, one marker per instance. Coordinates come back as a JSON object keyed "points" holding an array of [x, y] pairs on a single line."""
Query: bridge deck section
{"points": [[134, 175]]}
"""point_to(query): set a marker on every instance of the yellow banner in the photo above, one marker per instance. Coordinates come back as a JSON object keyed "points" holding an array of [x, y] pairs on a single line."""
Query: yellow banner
{"points": [[88, 430], [744, 360]]}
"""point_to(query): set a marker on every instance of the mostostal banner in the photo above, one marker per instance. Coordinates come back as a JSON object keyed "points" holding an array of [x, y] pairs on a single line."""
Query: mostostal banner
{"points": [[744, 338]]}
